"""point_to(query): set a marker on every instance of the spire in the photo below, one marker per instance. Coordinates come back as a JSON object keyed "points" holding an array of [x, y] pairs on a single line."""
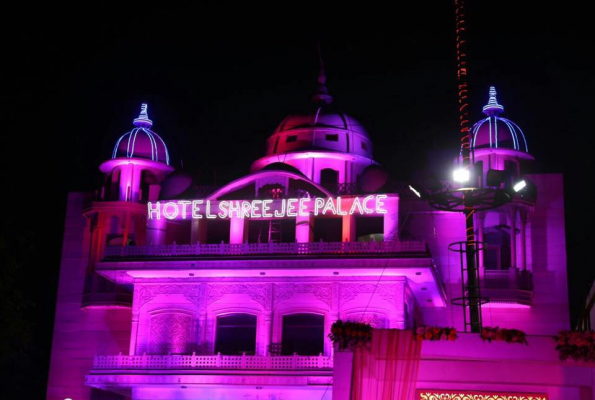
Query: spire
{"points": [[143, 120], [492, 108], [321, 96]]}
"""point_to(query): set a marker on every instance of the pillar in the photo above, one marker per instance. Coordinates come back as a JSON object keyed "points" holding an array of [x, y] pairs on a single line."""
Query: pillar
{"points": [[523, 240], [304, 229], [513, 238], [348, 232], [198, 230], [480, 221], [237, 230], [391, 218], [156, 230], [265, 337]]}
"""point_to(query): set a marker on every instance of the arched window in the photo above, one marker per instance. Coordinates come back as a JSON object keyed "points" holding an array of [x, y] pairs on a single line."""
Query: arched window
{"points": [[303, 334], [329, 178], [236, 334], [497, 252], [170, 333]]}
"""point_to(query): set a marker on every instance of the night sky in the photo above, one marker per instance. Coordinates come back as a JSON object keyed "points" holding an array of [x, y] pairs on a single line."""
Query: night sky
{"points": [[219, 81]]}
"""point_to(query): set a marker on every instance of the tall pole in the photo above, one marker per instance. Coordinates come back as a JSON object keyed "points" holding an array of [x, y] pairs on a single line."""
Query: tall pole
{"points": [[472, 277]]}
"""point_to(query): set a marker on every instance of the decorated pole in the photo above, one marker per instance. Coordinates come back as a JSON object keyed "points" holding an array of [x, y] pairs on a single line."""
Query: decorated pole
{"points": [[466, 163]]}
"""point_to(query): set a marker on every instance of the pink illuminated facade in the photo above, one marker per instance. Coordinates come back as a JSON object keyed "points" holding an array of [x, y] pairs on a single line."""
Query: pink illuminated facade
{"points": [[169, 290]]}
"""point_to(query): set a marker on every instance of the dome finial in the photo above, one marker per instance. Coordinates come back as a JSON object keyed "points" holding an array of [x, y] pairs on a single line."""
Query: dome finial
{"points": [[492, 108], [321, 96], [143, 120]]}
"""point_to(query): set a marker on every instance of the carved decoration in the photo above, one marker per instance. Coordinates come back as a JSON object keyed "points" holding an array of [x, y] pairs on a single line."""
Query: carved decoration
{"points": [[170, 333], [193, 292], [377, 320]]}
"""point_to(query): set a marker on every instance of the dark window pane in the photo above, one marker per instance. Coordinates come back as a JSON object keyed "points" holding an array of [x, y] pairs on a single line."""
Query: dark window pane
{"points": [[332, 138], [292, 138], [303, 334], [236, 333]]}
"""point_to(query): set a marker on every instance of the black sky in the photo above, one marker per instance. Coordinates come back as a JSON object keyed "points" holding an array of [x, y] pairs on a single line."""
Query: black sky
{"points": [[218, 81]]}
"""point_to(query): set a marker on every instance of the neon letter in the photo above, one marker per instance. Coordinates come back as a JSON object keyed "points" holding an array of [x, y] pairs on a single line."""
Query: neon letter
{"points": [[358, 204], [245, 209], [282, 213], [156, 210], [234, 209], [209, 215], [175, 213], [291, 207], [266, 208], [223, 205], [254, 210], [196, 209], [303, 206], [364, 204], [318, 204], [339, 211], [380, 204], [330, 205], [184, 204]]}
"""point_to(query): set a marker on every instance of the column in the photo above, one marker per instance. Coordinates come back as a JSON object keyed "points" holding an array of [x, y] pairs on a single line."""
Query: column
{"points": [[304, 228], [513, 280], [391, 218], [513, 238], [348, 232], [202, 327], [237, 230], [133, 333], [480, 218], [523, 240], [265, 337], [198, 230], [156, 230]]}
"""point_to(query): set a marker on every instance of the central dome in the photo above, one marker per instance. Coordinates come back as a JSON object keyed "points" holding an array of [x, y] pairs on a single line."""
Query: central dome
{"points": [[324, 129]]}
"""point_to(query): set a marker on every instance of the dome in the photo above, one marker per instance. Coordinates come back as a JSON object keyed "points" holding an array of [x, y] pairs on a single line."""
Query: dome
{"points": [[324, 129], [142, 142], [495, 131], [322, 119]]}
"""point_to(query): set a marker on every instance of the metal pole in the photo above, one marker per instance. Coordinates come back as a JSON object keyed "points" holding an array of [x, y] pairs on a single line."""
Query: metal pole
{"points": [[466, 155]]}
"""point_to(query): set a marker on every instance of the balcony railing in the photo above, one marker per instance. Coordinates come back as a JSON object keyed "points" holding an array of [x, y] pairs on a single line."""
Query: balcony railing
{"points": [[247, 249], [195, 361]]}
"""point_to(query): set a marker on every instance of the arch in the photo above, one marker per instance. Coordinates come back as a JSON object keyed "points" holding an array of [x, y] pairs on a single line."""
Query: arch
{"points": [[235, 333], [303, 333], [171, 331]]}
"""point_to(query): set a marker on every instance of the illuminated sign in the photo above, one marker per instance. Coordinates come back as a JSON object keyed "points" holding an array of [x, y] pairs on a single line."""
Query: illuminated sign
{"points": [[267, 208]]}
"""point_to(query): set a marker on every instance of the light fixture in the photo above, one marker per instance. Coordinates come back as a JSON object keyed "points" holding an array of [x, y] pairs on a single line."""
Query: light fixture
{"points": [[417, 193], [461, 175], [519, 186]]}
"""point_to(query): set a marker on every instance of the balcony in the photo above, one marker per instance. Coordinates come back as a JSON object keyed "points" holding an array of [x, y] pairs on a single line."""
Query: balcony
{"points": [[212, 362], [508, 287], [254, 249]]}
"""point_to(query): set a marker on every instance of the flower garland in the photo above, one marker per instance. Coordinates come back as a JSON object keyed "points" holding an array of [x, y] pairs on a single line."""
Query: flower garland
{"points": [[349, 335], [577, 345], [502, 334], [435, 333]]}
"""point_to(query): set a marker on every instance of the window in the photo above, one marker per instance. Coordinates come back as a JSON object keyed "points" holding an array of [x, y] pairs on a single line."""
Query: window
{"points": [[236, 333], [303, 334], [497, 252], [364, 146], [290, 139], [332, 138]]}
